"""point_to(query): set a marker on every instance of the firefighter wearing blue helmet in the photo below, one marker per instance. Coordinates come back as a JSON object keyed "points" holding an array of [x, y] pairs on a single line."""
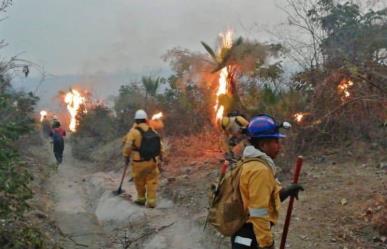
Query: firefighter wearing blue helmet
{"points": [[260, 190]]}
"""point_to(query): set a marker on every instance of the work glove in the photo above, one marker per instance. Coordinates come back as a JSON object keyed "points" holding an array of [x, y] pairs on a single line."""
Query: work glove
{"points": [[291, 190], [127, 160]]}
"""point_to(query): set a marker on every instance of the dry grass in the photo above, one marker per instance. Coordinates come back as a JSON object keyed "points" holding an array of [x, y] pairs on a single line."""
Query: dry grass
{"points": [[193, 150]]}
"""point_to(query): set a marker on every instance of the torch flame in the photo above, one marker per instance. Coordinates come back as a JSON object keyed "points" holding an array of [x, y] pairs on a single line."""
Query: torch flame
{"points": [[343, 88], [74, 100], [42, 114], [157, 116], [156, 122]]}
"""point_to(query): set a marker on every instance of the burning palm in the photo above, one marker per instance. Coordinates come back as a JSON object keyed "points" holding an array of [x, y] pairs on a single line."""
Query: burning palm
{"points": [[225, 90]]}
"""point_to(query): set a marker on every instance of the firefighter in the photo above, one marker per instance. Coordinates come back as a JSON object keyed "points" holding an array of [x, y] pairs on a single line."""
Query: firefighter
{"points": [[54, 121], [142, 149], [57, 134], [260, 190], [234, 126]]}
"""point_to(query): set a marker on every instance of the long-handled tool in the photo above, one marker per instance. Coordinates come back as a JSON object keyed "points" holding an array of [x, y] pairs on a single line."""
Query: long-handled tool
{"points": [[296, 175], [120, 190]]}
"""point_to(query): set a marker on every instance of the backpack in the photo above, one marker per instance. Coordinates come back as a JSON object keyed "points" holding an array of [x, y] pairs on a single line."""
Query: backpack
{"points": [[226, 212], [150, 144]]}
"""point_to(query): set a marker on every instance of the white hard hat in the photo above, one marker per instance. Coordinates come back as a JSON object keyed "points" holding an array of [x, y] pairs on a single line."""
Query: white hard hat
{"points": [[140, 114]]}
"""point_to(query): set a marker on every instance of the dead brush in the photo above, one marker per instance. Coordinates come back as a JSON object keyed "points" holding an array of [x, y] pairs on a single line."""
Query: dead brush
{"points": [[342, 108], [193, 149]]}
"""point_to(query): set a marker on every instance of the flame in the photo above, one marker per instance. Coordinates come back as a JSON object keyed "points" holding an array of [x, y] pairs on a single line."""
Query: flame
{"points": [[157, 116], [298, 117], [226, 39], [343, 88], [223, 88], [74, 100], [42, 114], [156, 122]]}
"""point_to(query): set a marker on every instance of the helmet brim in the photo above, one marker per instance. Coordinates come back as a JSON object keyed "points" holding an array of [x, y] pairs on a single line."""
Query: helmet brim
{"points": [[276, 135]]}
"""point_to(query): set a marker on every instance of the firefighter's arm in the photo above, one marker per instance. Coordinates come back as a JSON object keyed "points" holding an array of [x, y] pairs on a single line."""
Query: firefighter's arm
{"points": [[242, 121], [261, 185], [128, 142]]}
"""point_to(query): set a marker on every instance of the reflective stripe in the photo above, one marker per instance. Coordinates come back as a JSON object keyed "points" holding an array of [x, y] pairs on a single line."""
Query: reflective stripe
{"points": [[258, 212], [243, 241]]}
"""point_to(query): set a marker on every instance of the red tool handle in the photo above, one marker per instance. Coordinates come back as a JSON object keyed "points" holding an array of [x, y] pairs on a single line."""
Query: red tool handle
{"points": [[223, 168], [296, 175]]}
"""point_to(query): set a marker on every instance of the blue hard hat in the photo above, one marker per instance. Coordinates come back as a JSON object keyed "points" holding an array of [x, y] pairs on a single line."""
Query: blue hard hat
{"points": [[264, 126]]}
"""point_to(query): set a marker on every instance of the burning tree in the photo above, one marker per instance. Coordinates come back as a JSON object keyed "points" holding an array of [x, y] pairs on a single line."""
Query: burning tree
{"points": [[76, 106]]}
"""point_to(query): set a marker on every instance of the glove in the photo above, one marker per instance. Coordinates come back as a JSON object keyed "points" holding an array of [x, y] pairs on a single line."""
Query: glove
{"points": [[291, 190], [127, 160]]}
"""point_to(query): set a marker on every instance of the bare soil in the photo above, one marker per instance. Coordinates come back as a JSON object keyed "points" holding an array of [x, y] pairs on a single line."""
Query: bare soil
{"points": [[343, 193]]}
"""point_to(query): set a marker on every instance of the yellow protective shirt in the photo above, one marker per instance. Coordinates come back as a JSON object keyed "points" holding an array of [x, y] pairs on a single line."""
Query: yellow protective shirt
{"points": [[260, 195], [233, 125], [132, 141]]}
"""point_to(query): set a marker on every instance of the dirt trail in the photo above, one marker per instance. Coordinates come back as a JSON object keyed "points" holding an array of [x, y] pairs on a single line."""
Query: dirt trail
{"points": [[87, 212], [72, 212], [327, 216]]}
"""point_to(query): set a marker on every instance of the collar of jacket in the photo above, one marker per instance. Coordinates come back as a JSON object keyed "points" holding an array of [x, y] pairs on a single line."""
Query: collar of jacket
{"points": [[250, 151]]}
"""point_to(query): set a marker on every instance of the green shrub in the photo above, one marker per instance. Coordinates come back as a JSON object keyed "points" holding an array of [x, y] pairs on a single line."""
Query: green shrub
{"points": [[16, 110]]}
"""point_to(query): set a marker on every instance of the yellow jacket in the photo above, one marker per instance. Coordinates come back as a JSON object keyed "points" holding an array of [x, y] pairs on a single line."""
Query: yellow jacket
{"points": [[233, 125], [260, 195], [132, 141]]}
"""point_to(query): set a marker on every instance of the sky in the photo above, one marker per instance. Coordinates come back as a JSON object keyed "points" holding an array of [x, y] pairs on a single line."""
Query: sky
{"points": [[72, 37]]}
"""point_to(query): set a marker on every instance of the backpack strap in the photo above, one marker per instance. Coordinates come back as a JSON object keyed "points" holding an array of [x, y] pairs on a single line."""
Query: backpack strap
{"points": [[238, 122], [257, 159], [140, 130], [142, 134]]}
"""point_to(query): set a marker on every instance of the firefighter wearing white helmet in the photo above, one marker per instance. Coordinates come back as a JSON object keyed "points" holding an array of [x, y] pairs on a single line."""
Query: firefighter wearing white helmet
{"points": [[140, 114], [142, 148]]}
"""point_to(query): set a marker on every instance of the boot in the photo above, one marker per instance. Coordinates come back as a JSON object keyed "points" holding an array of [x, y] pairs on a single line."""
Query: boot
{"points": [[140, 201], [151, 204]]}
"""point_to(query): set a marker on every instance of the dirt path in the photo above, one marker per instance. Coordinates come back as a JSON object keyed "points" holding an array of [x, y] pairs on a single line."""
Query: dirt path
{"points": [[327, 216], [72, 212], [87, 212]]}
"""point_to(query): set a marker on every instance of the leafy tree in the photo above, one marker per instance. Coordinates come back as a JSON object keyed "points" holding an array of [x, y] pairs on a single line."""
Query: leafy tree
{"points": [[129, 99], [15, 109], [350, 46], [96, 127]]}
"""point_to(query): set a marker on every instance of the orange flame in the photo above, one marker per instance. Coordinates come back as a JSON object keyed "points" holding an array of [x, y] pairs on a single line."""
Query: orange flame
{"points": [[226, 43], [157, 116], [343, 88], [299, 117], [42, 114], [74, 100]]}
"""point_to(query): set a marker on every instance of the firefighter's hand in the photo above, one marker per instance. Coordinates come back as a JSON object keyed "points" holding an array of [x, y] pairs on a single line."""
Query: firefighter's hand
{"points": [[291, 190], [127, 160]]}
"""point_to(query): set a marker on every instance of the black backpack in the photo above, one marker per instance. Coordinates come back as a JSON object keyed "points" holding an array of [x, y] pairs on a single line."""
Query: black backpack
{"points": [[150, 144]]}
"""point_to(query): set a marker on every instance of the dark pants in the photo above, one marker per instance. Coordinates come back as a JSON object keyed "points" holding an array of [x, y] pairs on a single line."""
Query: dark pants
{"points": [[244, 238], [58, 151]]}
